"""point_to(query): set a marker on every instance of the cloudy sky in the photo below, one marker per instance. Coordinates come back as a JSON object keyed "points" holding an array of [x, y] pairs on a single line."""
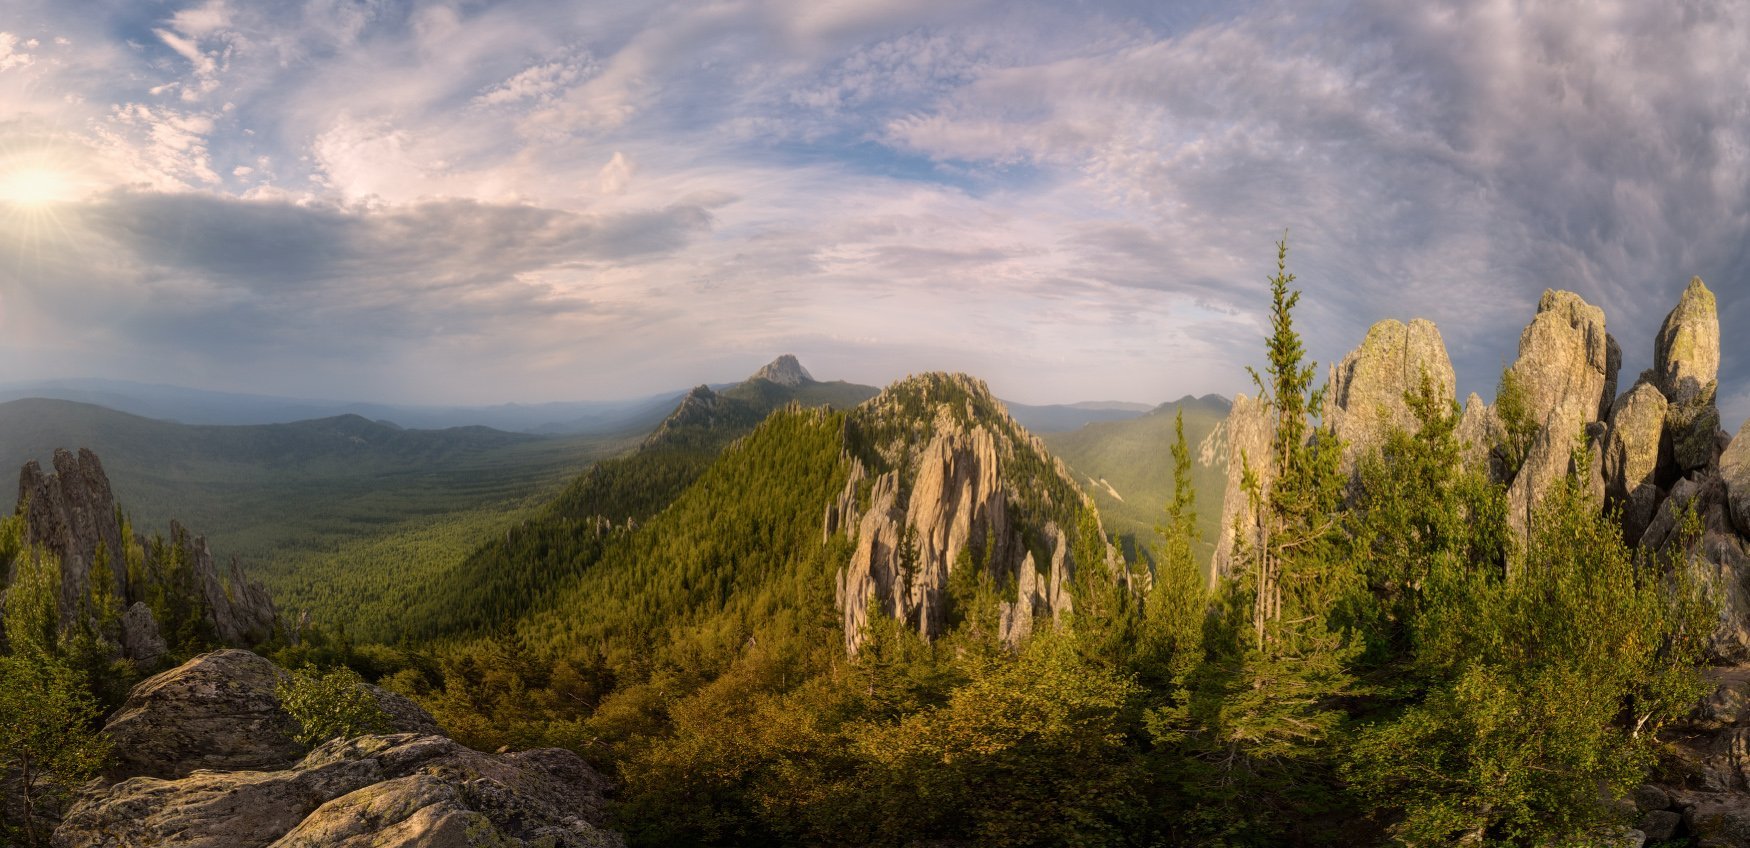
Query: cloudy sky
{"points": [[524, 201]]}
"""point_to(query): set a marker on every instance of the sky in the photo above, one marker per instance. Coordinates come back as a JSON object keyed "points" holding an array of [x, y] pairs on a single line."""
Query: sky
{"points": [[528, 201]]}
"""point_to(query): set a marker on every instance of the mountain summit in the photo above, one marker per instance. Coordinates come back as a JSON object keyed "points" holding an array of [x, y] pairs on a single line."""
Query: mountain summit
{"points": [[785, 371]]}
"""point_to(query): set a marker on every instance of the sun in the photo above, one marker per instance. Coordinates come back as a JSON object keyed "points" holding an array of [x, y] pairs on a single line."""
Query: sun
{"points": [[32, 185]]}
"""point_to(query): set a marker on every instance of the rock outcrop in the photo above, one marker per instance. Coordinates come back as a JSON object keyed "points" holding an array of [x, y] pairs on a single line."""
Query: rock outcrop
{"points": [[1686, 354], [72, 514], [1633, 451], [1476, 430], [1365, 398], [785, 371], [219, 711], [1564, 365], [1038, 594], [205, 759], [959, 484], [1249, 434], [1735, 473], [1686, 364]]}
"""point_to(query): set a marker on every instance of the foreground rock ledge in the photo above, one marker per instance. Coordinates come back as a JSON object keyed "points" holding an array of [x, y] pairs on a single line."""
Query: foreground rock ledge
{"points": [[394, 790]]}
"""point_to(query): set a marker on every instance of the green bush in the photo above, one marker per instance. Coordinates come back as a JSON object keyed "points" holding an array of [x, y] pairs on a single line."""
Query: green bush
{"points": [[331, 704]]}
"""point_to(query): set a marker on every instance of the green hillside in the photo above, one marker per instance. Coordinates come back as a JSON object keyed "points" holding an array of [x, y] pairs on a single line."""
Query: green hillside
{"points": [[1128, 466], [283, 497], [522, 564]]}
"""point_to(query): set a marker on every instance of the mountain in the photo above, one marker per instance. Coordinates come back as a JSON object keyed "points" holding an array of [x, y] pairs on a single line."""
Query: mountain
{"points": [[1060, 418], [197, 406], [517, 566], [290, 499], [1127, 466], [785, 371]]}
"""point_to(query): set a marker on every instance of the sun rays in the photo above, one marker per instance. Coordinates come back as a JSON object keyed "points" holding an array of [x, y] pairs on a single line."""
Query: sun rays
{"points": [[38, 189]]}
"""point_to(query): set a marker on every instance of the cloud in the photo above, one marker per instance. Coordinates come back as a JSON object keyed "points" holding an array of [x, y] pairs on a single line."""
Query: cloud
{"points": [[1073, 199], [10, 54]]}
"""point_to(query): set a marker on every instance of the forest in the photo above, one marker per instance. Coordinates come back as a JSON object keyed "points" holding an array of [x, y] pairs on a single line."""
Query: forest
{"points": [[1387, 662]]}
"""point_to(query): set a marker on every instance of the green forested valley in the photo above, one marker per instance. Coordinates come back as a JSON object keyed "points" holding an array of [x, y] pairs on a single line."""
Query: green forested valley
{"points": [[899, 620]]}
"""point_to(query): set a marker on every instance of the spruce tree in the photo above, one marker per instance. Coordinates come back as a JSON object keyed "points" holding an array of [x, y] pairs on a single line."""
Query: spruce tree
{"points": [[1264, 711]]}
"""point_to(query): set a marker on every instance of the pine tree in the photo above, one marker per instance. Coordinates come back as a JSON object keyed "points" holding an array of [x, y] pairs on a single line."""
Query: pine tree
{"points": [[1264, 709]]}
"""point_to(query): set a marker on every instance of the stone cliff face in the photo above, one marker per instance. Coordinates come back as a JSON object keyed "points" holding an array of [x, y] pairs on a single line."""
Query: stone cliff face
{"points": [[205, 759], [957, 483], [72, 515]]}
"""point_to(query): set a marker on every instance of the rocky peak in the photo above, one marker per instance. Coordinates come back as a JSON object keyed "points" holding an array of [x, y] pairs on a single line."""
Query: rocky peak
{"points": [[1565, 361], [952, 480], [1686, 365], [1686, 353], [786, 370], [72, 515], [1567, 369], [1365, 401]]}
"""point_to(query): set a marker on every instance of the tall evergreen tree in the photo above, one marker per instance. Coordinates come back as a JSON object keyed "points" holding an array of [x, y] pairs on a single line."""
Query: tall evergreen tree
{"points": [[1264, 709]]}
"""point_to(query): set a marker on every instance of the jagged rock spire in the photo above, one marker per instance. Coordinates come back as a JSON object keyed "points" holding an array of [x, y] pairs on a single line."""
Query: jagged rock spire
{"points": [[1567, 362]]}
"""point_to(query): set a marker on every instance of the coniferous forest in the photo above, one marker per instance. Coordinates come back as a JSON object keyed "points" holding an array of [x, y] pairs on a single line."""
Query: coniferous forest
{"points": [[1380, 655]]}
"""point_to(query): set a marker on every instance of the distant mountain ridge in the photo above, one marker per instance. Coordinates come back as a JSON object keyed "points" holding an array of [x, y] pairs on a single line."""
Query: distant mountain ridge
{"points": [[203, 407], [595, 417]]}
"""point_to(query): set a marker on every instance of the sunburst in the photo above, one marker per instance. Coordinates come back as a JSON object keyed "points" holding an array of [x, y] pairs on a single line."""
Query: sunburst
{"points": [[39, 189], [35, 185]]}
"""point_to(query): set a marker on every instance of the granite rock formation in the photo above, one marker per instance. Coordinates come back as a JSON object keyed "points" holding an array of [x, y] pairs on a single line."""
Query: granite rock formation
{"points": [[1365, 398], [72, 515], [1634, 453], [1249, 436], [219, 711], [953, 482], [209, 765], [1564, 367]]}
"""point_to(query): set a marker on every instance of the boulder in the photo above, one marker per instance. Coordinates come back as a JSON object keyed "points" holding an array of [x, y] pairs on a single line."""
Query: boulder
{"points": [[218, 711], [1660, 825], [1735, 473], [1365, 398], [386, 790], [1648, 798], [1720, 820], [141, 640], [1632, 457]]}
